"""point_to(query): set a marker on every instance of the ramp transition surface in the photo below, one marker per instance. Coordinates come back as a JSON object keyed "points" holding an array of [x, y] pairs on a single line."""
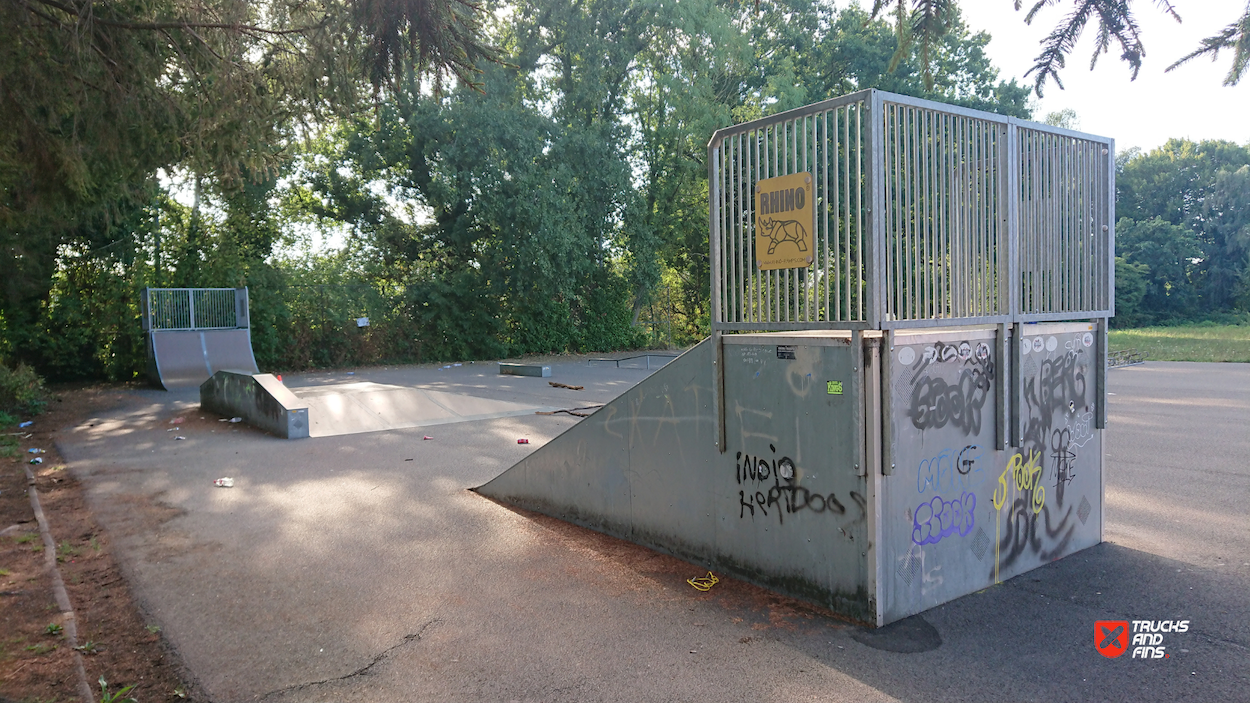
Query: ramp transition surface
{"points": [[352, 408], [187, 358]]}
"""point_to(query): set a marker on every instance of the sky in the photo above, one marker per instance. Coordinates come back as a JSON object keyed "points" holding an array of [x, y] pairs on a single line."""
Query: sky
{"points": [[1188, 102]]}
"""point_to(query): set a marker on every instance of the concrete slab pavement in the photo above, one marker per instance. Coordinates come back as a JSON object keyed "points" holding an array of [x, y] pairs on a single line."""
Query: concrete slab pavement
{"points": [[360, 568]]}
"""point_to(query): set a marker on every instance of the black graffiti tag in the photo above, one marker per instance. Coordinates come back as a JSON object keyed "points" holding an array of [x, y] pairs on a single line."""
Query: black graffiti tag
{"points": [[784, 496], [1058, 388], [1065, 458], [935, 403]]}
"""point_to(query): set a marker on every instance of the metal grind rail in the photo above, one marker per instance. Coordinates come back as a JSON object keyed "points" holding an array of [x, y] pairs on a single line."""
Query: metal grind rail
{"points": [[617, 362]]}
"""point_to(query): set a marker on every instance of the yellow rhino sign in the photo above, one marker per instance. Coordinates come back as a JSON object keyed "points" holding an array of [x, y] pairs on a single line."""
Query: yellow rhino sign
{"points": [[784, 222]]}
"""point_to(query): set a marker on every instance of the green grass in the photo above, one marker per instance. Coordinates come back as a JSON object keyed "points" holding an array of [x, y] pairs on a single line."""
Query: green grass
{"points": [[1186, 343], [9, 446], [65, 551]]}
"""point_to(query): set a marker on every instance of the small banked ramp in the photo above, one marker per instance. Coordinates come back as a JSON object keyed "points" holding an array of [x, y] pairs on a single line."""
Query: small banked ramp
{"points": [[193, 333], [646, 468], [352, 408]]}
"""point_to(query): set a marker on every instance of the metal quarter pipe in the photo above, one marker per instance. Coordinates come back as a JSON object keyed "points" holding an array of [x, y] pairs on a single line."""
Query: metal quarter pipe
{"points": [[187, 358]]}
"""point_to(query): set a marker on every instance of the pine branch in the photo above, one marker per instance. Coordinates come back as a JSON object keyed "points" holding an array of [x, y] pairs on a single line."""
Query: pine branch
{"points": [[1058, 44], [1236, 38]]}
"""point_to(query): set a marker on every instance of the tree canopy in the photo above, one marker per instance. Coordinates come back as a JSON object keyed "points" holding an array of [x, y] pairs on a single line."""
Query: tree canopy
{"points": [[1185, 221], [548, 207]]}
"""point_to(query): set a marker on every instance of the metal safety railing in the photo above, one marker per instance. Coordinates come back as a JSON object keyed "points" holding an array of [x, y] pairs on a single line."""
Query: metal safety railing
{"points": [[194, 308], [922, 214], [826, 140]]}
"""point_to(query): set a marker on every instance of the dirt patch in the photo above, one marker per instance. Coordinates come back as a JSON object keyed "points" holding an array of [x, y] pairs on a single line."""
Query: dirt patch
{"points": [[116, 641], [627, 567]]}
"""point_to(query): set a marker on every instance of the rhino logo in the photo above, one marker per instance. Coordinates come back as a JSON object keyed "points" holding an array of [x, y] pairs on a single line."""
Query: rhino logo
{"points": [[779, 231]]}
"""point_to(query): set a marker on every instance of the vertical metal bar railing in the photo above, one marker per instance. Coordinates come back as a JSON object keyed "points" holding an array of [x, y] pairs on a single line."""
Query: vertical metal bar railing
{"points": [[924, 213]]}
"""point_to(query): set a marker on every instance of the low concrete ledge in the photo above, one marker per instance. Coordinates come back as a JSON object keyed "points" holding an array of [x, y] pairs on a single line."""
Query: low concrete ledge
{"points": [[260, 399], [524, 370]]}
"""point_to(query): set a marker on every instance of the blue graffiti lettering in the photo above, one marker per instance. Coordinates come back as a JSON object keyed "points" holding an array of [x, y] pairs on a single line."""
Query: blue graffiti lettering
{"points": [[937, 518], [950, 471]]}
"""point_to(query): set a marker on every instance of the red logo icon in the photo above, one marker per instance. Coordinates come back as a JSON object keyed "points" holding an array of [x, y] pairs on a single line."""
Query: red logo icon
{"points": [[1111, 637]]}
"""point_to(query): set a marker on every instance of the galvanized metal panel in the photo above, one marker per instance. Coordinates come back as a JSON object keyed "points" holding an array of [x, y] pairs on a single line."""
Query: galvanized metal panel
{"points": [[195, 308], [830, 142], [925, 213], [782, 507], [958, 514]]}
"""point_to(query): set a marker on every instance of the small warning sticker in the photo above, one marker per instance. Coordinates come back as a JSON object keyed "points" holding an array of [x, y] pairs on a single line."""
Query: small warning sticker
{"points": [[785, 351], [834, 387]]}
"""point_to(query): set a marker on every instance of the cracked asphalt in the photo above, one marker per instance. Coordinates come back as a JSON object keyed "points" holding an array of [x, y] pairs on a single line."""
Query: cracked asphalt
{"points": [[360, 568]]}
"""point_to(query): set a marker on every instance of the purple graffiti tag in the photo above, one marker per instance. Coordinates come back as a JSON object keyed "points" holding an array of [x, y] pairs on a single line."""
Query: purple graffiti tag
{"points": [[938, 518]]}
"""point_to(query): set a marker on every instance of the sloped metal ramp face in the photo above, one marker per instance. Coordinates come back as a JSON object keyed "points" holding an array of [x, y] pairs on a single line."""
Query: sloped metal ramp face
{"points": [[782, 507], [187, 358]]}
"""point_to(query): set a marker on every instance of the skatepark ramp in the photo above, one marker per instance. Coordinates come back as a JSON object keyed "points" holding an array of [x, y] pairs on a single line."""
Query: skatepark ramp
{"points": [[191, 333], [903, 397]]}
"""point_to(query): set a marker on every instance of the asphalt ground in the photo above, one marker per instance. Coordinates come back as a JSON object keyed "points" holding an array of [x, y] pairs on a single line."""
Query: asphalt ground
{"points": [[360, 568]]}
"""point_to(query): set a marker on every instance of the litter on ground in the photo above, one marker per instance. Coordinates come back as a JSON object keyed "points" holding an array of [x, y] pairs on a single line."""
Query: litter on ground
{"points": [[522, 441], [225, 482], [578, 412], [703, 583], [28, 423]]}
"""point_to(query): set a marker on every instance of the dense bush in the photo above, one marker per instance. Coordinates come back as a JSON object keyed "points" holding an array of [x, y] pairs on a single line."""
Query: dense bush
{"points": [[21, 391]]}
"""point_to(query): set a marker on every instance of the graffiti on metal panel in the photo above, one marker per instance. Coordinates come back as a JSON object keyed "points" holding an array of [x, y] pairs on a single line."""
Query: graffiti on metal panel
{"points": [[784, 496], [1021, 493], [935, 402], [1059, 387], [950, 470], [1064, 458], [1025, 478], [1057, 420], [939, 518]]}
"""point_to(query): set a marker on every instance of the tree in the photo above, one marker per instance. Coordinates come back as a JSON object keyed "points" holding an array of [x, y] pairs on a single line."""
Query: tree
{"points": [[1226, 213], [97, 97], [1168, 252], [920, 24], [1065, 118], [1197, 187], [1130, 289]]}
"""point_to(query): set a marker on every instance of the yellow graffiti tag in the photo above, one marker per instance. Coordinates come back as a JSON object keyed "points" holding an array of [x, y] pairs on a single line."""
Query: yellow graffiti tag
{"points": [[1026, 476]]}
